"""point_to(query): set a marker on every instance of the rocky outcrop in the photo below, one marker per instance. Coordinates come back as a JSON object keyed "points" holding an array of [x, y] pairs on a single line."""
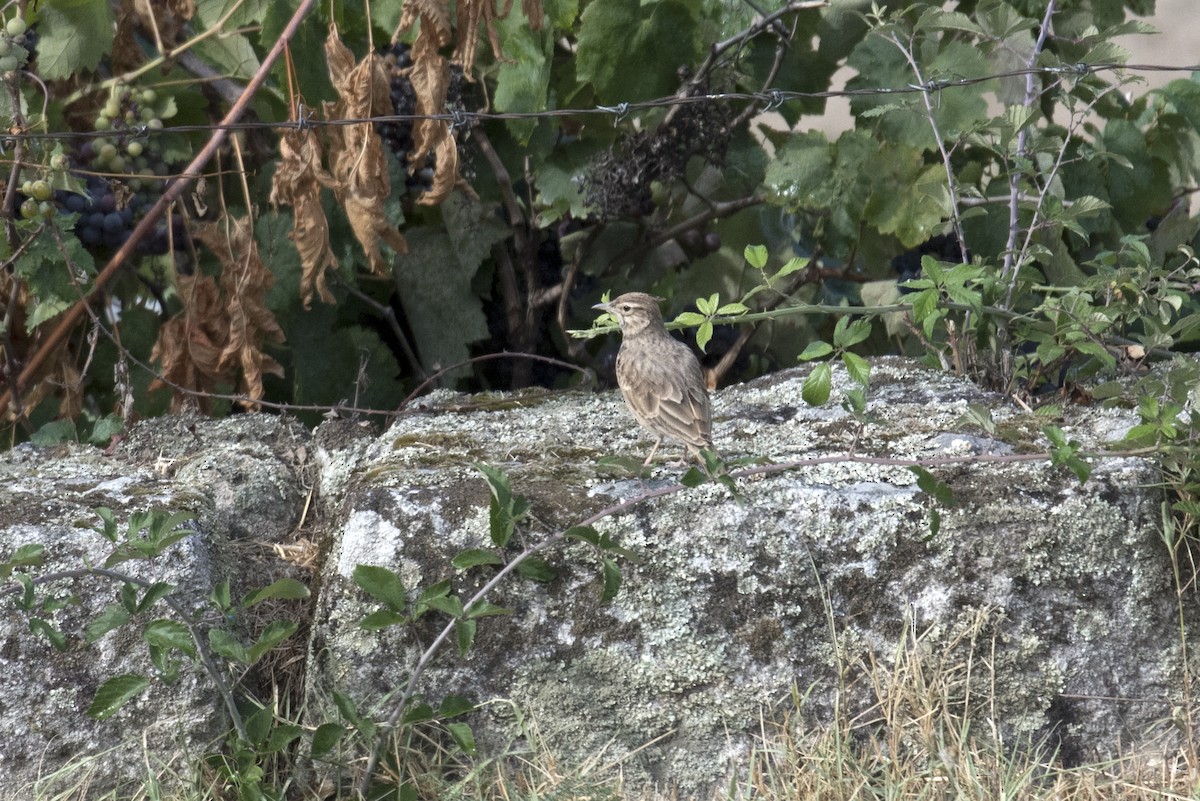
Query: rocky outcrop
{"points": [[1058, 595]]}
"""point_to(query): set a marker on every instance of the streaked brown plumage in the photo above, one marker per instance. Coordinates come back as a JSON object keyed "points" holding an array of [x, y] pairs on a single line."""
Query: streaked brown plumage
{"points": [[659, 376]]}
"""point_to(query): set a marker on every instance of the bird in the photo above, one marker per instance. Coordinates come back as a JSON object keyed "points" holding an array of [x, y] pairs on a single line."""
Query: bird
{"points": [[659, 376]]}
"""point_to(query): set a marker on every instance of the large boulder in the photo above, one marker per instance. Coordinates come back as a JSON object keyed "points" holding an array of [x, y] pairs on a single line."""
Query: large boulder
{"points": [[1057, 595]]}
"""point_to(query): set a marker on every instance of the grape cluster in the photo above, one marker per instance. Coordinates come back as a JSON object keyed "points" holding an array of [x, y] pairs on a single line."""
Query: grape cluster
{"points": [[127, 174], [16, 43], [398, 135]]}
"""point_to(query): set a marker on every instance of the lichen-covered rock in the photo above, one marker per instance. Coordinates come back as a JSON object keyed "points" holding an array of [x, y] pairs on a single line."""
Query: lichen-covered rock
{"points": [[49, 496], [1057, 596]]}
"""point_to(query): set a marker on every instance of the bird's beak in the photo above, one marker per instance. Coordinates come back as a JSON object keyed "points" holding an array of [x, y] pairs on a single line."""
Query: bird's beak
{"points": [[604, 307]]}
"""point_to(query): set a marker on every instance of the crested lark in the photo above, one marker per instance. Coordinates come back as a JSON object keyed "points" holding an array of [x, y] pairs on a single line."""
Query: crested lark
{"points": [[659, 376]]}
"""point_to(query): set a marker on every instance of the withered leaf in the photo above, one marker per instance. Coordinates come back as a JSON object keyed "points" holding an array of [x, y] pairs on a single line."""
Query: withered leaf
{"points": [[359, 165], [189, 345], [245, 282], [297, 183]]}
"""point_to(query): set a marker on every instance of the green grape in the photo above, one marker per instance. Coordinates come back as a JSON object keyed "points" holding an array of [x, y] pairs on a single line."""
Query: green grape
{"points": [[103, 123], [16, 27], [112, 109], [59, 162], [27, 187], [108, 152], [146, 113], [46, 209], [29, 209], [154, 124], [41, 190], [134, 149], [149, 96], [117, 164]]}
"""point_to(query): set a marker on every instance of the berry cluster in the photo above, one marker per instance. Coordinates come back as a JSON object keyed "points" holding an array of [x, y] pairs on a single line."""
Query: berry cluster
{"points": [[127, 174], [16, 42]]}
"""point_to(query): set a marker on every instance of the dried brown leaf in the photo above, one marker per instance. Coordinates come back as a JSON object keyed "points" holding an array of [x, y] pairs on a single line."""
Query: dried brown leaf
{"points": [[245, 282], [189, 345], [359, 165], [434, 16], [297, 183], [445, 177]]}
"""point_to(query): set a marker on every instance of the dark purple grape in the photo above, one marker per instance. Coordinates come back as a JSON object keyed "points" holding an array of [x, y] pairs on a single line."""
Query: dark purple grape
{"points": [[108, 203], [74, 203], [113, 222], [712, 241]]}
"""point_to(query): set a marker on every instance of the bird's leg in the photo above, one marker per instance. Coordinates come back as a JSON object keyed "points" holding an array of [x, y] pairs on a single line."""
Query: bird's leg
{"points": [[653, 451]]}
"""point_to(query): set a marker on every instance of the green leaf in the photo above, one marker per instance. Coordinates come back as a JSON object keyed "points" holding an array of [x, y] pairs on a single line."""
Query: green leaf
{"points": [[153, 594], [929, 484], [756, 255], [732, 309], [693, 478], [169, 634], [793, 265], [258, 725], [537, 569], [73, 36], [227, 646], [442, 307], [485, 609], [382, 585], [454, 705], [463, 737], [612, 580], [281, 737], [586, 534], [55, 432], [221, 597], [286, 589], [417, 713], [276, 632], [326, 737], [623, 43], [115, 693], [506, 509], [690, 319], [849, 332], [30, 554], [231, 53], [44, 627], [857, 367], [474, 557], [523, 78], [464, 632], [447, 604], [381, 619], [817, 386], [816, 350], [114, 616], [704, 334]]}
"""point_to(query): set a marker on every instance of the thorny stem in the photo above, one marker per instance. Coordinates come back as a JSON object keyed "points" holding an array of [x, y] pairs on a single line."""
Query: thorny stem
{"points": [[951, 184], [1009, 269]]}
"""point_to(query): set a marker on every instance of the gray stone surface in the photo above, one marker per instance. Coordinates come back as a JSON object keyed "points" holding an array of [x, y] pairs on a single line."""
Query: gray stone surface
{"points": [[1057, 596], [50, 496]]}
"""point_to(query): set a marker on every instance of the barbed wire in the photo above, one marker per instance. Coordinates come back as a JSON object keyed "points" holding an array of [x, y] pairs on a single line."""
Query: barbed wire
{"points": [[772, 99]]}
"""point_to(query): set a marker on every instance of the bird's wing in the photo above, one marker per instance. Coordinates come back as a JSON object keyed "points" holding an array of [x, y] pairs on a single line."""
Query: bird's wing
{"points": [[671, 398]]}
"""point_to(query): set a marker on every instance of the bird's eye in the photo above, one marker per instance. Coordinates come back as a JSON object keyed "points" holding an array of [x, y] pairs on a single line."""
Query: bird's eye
{"points": [[626, 307]]}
